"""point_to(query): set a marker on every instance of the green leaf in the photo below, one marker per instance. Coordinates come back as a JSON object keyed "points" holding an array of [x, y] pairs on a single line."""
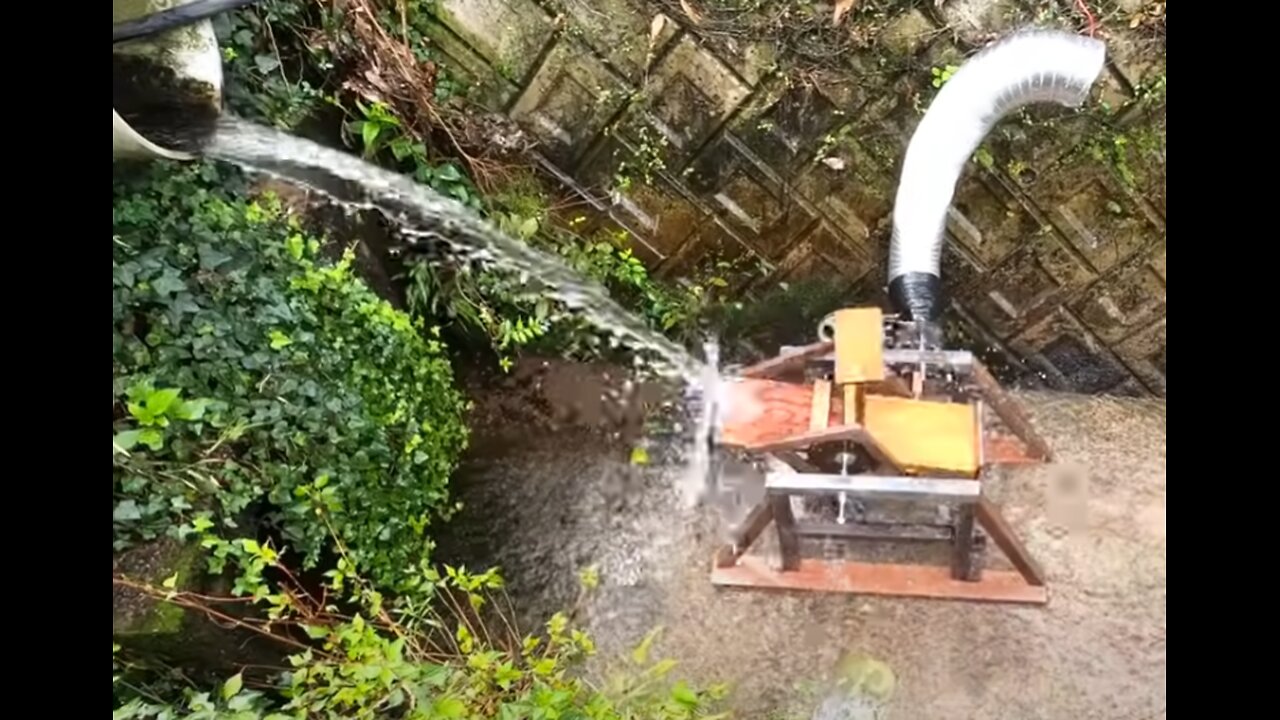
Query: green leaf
{"points": [[436, 676], [984, 158], [232, 686], [279, 340], [448, 173], [448, 708], [401, 148], [141, 413], [265, 63], [168, 284], [171, 582], [210, 258], [682, 694], [126, 440], [507, 675], [640, 655], [529, 228], [639, 456], [158, 402], [191, 409], [152, 438], [295, 245], [396, 698], [512, 711], [369, 133], [126, 510], [662, 667]]}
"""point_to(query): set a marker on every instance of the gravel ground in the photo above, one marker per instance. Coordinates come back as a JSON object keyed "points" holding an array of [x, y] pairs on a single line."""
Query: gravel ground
{"points": [[551, 491]]}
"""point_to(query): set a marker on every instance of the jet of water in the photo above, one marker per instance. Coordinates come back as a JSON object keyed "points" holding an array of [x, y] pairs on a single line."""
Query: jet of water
{"points": [[427, 215]]}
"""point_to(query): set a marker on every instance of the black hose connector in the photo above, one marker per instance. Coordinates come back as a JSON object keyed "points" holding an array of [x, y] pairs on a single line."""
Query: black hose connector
{"points": [[187, 14], [917, 296]]}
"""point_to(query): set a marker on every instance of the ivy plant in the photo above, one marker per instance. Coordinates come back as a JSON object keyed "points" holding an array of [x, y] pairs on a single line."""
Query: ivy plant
{"points": [[251, 375]]}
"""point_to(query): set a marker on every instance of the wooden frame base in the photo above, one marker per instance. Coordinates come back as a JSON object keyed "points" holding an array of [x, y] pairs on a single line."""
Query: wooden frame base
{"points": [[921, 581], [912, 449]]}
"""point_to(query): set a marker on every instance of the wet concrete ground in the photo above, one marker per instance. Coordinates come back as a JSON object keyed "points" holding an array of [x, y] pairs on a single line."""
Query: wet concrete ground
{"points": [[549, 492]]}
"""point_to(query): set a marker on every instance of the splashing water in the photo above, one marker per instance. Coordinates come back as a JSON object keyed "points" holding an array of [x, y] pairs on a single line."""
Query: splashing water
{"points": [[425, 214]]}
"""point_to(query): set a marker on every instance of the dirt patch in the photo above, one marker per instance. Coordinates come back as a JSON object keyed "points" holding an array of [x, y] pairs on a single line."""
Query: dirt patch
{"points": [[544, 396], [563, 500]]}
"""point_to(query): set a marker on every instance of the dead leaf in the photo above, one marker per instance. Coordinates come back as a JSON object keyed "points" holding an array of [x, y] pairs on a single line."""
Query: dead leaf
{"points": [[690, 12], [842, 7], [655, 29]]}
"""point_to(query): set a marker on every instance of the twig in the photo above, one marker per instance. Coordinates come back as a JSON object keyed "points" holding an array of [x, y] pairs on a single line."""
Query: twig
{"points": [[145, 693], [1088, 14], [509, 622], [396, 53], [276, 49], [177, 599]]}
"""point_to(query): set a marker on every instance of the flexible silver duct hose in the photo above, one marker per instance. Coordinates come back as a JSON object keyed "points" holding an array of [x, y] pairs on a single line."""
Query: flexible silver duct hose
{"points": [[1036, 66]]}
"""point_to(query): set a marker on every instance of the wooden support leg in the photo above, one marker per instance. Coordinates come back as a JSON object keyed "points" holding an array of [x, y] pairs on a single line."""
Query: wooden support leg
{"points": [[754, 524], [1009, 411], [998, 528], [963, 566], [788, 539]]}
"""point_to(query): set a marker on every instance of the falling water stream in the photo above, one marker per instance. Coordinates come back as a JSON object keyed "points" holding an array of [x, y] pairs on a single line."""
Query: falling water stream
{"points": [[426, 215]]}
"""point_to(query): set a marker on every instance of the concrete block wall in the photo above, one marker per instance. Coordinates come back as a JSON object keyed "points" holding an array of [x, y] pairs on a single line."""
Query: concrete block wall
{"points": [[703, 141]]}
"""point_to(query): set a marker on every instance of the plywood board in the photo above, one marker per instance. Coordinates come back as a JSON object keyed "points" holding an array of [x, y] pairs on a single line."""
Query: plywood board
{"points": [[820, 410], [757, 412], [852, 391], [920, 435], [859, 345], [924, 581]]}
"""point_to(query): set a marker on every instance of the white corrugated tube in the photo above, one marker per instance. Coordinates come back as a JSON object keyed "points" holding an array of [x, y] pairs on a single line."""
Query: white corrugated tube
{"points": [[1031, 66]]}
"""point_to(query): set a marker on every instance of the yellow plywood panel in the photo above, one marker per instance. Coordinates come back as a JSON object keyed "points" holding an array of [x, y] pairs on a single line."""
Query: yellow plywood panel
{"points": [[851, 404], [820, 414], [924, 436], [859, 345]]}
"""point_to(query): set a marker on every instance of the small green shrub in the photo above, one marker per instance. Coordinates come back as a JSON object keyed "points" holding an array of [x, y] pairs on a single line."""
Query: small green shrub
{"points": [[500, 309], [245, 369], [446, 649], [273, 74]]}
